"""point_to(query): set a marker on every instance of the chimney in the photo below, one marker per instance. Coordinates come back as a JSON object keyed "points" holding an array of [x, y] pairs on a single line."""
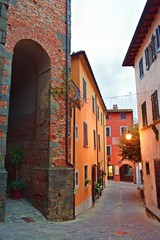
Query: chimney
{"points": [[115, 106]]}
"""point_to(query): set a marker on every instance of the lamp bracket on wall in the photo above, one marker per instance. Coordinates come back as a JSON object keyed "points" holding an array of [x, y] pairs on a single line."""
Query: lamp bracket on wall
{"points": [[156, 132]]}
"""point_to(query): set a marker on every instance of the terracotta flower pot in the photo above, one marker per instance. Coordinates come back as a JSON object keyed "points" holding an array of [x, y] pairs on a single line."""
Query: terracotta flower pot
{"points": [[16, 194]]}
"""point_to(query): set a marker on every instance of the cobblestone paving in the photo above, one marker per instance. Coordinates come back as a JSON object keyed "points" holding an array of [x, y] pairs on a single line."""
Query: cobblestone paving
{"points": [[118, 214]]}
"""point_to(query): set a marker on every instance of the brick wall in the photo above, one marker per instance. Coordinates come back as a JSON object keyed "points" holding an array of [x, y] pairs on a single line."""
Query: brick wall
{"points": [[37, 30]]}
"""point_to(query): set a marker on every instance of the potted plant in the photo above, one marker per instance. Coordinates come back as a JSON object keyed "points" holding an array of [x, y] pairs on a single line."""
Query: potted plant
{"points": [[87, 182], [99, 189], [16, 187], [18, 184]]}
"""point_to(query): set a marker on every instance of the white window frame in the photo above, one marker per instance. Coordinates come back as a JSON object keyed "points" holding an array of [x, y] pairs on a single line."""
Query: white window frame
{"points": [[76, 185], [109, 131], [85, 174], [110, 150], [141, 70], [121, 127]]}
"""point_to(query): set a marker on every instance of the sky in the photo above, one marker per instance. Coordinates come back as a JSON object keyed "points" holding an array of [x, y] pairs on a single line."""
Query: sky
{"points": [[104, 30]]}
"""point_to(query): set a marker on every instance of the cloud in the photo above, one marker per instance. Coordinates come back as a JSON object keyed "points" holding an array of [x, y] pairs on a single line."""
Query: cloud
{"points": [[104, 29]]}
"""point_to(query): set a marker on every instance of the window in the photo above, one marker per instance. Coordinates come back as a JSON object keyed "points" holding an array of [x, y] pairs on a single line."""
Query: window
{"points": [[123, 116], [108, 131], [123, 130], [147, 168], [76, 132], [85, 134], [107, 116], [141, 72], [153, 48], [85, 174], [108, 150], [99, 142], [76, 179], [147, 58], [93, 104], [101, 118], [155, 107], [98, 112], [94, 138], [158, 38], [144, 114], [84, 90]]}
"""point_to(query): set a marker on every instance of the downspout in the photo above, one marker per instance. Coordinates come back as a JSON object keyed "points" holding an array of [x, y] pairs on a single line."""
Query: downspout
{"points": [[67, 100], [74, 155], [104, 142], [97, 135], [67, 75]]}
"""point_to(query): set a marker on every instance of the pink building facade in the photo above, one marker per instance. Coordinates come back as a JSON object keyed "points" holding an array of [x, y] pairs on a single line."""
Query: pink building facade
{"points": [[144, 55]]}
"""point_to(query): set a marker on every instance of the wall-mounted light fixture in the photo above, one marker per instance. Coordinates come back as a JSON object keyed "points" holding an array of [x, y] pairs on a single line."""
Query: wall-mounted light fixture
{"points": [[156, 132], [128, 135]]}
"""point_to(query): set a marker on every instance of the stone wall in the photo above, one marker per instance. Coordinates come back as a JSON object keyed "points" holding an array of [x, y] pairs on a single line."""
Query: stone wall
{"points": [[61, 195], [5, 73], [57, 183]]}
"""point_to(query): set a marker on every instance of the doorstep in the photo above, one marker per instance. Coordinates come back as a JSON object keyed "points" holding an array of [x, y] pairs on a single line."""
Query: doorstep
{"points": [[153, 212]]}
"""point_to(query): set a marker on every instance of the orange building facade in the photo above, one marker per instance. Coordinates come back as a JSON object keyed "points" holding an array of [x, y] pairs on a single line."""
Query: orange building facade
{"points": [[88, 134], [118, 121]]}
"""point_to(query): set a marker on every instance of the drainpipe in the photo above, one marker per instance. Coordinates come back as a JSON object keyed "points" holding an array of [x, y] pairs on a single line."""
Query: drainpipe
{"points": [[97, 135], [67, 75], [104, 142], [67, 100], [74, 154]]}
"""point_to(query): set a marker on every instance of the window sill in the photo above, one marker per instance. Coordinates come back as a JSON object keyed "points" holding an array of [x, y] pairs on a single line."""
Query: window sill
{"points": [[141, 77], [85, 146]]}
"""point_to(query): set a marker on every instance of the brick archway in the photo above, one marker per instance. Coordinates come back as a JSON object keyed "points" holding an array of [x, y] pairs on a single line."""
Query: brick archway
{"points": [[28, 122]]}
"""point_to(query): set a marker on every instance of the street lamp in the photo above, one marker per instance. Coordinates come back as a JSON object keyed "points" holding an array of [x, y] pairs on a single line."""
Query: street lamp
{"points": [[129, 136]]}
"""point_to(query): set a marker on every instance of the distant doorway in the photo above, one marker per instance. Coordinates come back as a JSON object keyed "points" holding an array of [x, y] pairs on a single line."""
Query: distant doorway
{"points": [[126, 173], [110, 172]]}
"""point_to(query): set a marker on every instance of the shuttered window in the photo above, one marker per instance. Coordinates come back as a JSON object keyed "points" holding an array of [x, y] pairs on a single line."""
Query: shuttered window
{"points": [[158, 38], [84, 90], [153, 48], [85, 134], [93, 104], [94, 138], [99, 142], [155, 106], [144, 114]]}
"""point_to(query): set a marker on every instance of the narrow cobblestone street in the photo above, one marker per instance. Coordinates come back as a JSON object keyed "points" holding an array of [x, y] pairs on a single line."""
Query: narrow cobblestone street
{"points": [[118, 214]]}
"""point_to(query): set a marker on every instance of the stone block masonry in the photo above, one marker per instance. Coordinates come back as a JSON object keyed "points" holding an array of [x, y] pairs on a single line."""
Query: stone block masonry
{"points": [[5, 73], [61, 195]]}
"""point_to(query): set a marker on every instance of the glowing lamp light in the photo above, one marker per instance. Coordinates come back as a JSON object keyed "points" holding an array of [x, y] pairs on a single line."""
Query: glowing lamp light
{"points": [[128, 136]]}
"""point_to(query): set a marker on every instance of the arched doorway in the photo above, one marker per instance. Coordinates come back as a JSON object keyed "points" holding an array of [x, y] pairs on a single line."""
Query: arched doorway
{"points": [[28, 123], [126, 173]]}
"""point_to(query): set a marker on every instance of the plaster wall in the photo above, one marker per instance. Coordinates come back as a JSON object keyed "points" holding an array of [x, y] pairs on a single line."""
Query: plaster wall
{"points": [[150, 147]]}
